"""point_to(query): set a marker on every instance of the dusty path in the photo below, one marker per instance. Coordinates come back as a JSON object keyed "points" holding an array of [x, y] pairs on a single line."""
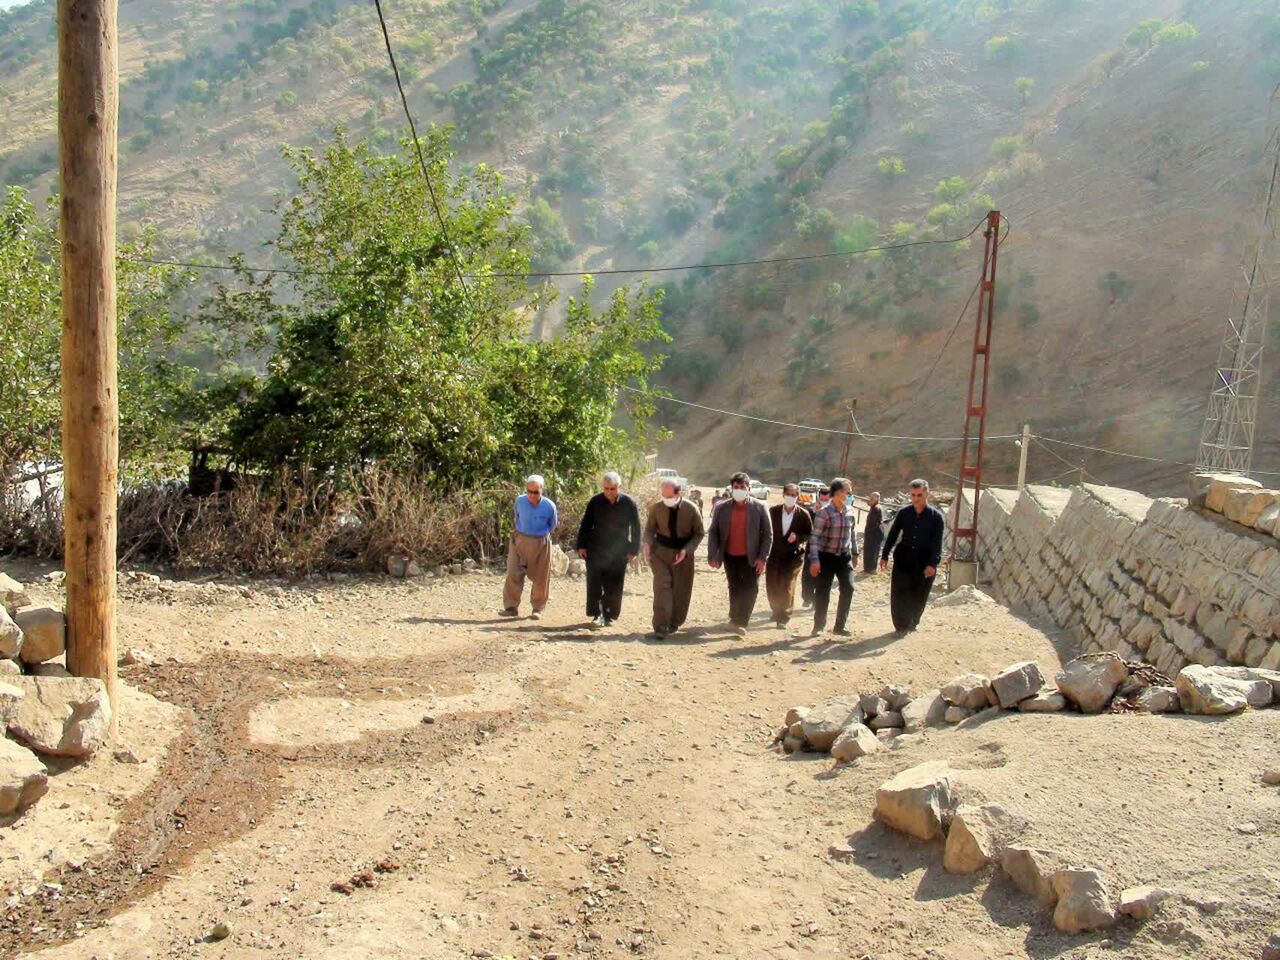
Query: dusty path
{"points": [[600, 794]]}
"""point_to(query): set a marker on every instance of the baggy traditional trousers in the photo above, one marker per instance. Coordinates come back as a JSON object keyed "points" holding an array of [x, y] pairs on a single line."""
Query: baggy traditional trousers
{"points": [[528, 557]]}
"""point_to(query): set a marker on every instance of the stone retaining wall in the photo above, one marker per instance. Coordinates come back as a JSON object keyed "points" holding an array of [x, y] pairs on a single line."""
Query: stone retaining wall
{"points": [[1156, 580]]}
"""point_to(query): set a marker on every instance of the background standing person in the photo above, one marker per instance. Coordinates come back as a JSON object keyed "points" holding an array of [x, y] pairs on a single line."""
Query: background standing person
{"points": [[672, 533], [791, 524], [608, 539], [808, 582], [915, 540], [831, 553], [872, 535], [530, 552], [740, 539]]}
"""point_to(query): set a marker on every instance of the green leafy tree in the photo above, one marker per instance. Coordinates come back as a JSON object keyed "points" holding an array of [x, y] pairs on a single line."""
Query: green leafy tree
{"points": [[1024, 86], [382, 356], [1114, 286], [892, 167]]}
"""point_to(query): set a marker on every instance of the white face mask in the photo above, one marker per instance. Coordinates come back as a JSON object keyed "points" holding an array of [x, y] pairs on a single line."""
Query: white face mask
{"points": [[670, 501], [739, 494], [789, 501]]}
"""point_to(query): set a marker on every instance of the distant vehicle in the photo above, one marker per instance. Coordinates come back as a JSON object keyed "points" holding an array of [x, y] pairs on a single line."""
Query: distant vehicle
{"points": [[666, 473], [759, 490], [809, 490]]}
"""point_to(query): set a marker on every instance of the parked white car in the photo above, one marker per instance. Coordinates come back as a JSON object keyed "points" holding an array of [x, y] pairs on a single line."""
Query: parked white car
{"points": [[759, 490]]}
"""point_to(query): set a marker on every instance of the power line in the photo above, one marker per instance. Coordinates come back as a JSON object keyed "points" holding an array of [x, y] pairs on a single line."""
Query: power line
{"points": [[805, 426], [417, 146], [765, 261], [1138, 456]]}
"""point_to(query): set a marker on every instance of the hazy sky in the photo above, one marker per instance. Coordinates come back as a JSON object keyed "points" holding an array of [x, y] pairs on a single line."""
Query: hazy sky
{"points": [[6, 4]]}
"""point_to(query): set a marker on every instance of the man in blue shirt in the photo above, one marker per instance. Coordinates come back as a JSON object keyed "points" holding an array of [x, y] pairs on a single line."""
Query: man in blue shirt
{"points": [[530, 553]]}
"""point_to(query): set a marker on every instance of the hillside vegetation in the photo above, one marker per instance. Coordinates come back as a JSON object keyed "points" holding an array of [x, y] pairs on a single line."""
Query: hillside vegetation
{"points": [[1126, 141]]}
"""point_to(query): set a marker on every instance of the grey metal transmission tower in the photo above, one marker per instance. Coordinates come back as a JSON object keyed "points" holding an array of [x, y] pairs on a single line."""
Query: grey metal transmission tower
{"points": [[1226, 443]]}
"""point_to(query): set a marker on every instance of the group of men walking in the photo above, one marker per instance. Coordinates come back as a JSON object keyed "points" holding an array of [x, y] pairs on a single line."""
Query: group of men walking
{"points": [[787, 543]]}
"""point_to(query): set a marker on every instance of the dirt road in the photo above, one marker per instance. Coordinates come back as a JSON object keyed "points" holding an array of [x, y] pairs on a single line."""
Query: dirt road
{"points": [[387, 768]]}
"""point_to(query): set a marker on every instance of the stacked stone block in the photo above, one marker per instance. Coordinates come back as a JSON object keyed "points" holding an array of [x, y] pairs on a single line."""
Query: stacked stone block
{"points": [[1150, 580]]}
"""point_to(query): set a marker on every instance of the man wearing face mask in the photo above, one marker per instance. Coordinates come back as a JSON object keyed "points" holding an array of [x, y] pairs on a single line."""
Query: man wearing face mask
{"points": [[808, 582], [739, 540], [530, 553], [672, 533], [608, 539], [832, 550], [791, 525]]}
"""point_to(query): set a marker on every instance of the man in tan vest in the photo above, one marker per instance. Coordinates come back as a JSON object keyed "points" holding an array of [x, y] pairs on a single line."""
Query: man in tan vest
{"points": [[671, 537]]}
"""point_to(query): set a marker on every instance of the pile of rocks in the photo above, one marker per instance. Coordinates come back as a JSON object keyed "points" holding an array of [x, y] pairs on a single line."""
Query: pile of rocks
{"points": [[924, 802], [849, 727], [44, 711], [1238, 499]]}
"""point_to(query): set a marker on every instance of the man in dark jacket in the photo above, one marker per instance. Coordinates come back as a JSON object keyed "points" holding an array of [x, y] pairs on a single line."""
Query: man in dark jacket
{"points": [[915, 541], [672, 533], [873, 535], [739, 540], [792, 525], [608, 539]]}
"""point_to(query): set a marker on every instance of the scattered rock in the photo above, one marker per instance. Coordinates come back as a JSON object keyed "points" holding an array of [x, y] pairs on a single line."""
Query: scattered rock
{"points": [[23, 778], [62, 717], [854, 741], [969, 691], [824, 722], [44, 633], [1090, 684], [1014, 684], [49, 670], [1158, 700], [1141, 902], [135, 656], [10, 635], [12, 594], [126, 755], [11, 695], [887, 734], [1271, 778], [795, 715], [1031, 871], [10, 668], [926, 710], [220, 930], [411, 569], [792, 744], [887, 720], [872, 705], [1083, 901], [1046, 701], [1271, 949], [896, 696], [956, 714], [397, 565], [976, 837], [919, 801], [1206, 690]]}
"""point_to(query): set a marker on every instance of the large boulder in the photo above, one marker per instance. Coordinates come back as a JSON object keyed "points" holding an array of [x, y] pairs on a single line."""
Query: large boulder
{"points": [[1253, 674], [1155, 699], [1207, 690], [926, 710], [59, 716], [10, 668], [559, 561], [23, 778], [977, 836], [1083, 901], [854, 742], [12, 593], [895, 695], [968, 691], [1031, 871], [1046, 701], [44, 633], [872, 705], [1222, 485], [795, 715], [1090, 683], [919, 801], [887, 720], [10, 635], [1014, 684], [824, 722]]}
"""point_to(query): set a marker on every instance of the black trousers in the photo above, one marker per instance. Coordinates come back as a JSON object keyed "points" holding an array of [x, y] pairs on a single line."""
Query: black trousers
{"points": [[908, 593], [837, 567], [807, 584], [871, 551], [744, 585], [604, 589]]}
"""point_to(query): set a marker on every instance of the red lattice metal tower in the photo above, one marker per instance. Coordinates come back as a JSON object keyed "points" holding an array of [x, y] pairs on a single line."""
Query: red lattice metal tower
{"points": [[964, 540]]}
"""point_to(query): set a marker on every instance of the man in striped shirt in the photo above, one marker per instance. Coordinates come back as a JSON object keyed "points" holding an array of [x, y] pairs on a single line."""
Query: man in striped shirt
{"points": [[832, 550]]}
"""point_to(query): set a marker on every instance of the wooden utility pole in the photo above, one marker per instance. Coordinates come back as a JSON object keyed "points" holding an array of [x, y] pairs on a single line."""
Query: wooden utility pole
{"points": [[1022, 456], [88, 88], [848, 437]]}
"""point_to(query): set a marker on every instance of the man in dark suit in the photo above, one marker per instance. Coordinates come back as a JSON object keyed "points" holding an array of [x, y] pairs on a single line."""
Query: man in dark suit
{"points": [[873, 536], [739, 539], [915, 543], [791, 525], [608, 539]]}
